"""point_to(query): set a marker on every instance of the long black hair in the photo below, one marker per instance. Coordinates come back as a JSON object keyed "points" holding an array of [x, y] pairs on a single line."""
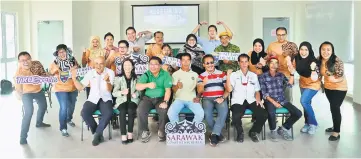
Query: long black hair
{"points": [[133, 76], [303, 64], [332, 60]]}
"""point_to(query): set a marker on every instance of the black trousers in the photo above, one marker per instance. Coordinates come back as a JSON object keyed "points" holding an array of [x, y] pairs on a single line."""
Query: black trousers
{"points": [[125, 108], [106, 110], [293, 110], [87, 90], [145, 105], [335, 97], [238, 112]]}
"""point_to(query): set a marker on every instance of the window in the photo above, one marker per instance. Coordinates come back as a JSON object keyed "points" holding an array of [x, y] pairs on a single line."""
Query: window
{"points": [[8, 50]]}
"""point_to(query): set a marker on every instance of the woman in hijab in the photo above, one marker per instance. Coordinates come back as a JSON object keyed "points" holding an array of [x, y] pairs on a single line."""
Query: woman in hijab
{"points": [[196, 52], [65, 90], [307, 67], [335, 85], [95, 50], [257, 62]]}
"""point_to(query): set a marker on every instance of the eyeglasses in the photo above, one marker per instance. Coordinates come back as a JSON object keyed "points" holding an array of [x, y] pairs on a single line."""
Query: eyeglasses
{"points": [[209, 63], [281, 34]]}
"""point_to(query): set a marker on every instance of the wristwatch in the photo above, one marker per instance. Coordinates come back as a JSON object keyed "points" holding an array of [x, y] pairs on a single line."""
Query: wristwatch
{"points": [[292, 74], [165, 101]]}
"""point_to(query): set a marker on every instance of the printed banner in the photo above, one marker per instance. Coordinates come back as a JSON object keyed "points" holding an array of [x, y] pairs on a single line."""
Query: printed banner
{"points": [[228, 56], [36, 80], [141, 63], [172, 61], [185, 133]]}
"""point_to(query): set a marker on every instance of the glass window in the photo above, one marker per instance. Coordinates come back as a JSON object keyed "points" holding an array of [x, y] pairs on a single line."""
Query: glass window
{"points": [[10, 36], [11, 69]]}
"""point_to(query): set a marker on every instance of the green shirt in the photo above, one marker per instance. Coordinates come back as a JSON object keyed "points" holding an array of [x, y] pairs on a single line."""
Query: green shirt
{"points": [[229, 48], [162, 81]]}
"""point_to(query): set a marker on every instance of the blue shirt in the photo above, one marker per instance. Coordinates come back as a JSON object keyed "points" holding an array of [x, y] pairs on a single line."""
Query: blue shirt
{"points": [[273, 86], [208, 46]]}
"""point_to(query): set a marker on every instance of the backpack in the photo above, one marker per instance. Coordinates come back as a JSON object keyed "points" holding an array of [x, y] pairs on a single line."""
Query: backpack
{"points": [[6, 87]]}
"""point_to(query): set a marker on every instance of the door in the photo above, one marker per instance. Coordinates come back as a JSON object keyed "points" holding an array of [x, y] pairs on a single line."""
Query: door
{"points": [[8, 50], [50, 35], [269, 28]]}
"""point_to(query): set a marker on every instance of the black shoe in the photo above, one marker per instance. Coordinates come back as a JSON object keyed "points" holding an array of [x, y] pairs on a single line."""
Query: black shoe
{"points": [[253, 119], [253, 136], [240, 137], [101, 138], [213, 140], [329, 130], [23, 141], [97, 139], [161, 136], [42, 125], [70, 123], [334, 138], [221, 138], [125, 142], [130, 140]]}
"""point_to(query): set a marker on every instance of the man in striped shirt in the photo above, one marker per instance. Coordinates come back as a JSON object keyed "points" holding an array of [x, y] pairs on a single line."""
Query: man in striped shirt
{"points": [[211, 84]]}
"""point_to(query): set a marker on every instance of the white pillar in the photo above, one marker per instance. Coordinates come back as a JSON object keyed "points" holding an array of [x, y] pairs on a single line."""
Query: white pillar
{"points": [[357, 53]]}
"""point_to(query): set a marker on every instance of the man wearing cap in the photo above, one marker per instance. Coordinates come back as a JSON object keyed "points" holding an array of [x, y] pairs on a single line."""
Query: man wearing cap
{"points": [[212, 42], [272, 83], [226, 46], [65, 90]]}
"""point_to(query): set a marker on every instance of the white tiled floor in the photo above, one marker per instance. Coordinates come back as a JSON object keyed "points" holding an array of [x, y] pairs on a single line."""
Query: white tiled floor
{"points": [[50, 143]]}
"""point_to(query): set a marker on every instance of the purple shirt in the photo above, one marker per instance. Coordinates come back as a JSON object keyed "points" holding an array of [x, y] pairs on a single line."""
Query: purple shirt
{"points": [[273, 86]]}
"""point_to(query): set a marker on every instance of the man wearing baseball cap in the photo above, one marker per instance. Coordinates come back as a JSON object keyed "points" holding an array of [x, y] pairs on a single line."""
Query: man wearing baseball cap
{"points": [[226, 46]]}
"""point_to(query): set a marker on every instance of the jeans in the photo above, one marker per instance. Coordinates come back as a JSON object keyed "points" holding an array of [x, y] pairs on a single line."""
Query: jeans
{"points": [[178, 105], [106, 110], [335, 97], [293, 110], [67, 102], [306, 99], [147, 104], [125, 108], [258, 112], [222, 111], [27, 99]]}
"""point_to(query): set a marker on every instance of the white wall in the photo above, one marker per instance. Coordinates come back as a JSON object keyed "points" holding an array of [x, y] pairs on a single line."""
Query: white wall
{"points": [[357, 51]]}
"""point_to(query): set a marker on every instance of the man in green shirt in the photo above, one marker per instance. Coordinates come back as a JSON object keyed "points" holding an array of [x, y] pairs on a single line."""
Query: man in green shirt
{"points": [[157, 84], [226, 46]]}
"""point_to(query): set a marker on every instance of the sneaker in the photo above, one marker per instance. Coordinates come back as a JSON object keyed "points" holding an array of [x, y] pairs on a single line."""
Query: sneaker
{"points": [[214, 140], [71, 123], [161, 136], [146, 136], [42, 125], [23, 141], [254, 136], [64, 132], [284, 133], [240, 137], [312, 129], [273, 136], [305, 128], [221, 138]]}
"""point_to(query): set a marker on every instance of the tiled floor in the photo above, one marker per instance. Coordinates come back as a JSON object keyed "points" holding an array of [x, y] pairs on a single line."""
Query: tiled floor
{"points": [[50, 143]]}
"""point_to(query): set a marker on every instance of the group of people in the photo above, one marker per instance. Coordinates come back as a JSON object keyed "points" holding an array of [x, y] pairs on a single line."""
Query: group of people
{"points": [[261, 81]]}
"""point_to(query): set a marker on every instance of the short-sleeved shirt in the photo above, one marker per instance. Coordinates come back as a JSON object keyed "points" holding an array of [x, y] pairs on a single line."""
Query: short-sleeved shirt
{"points": [[189, 81], [162, 81], [244, 87], [215, 85], [208, 45], [98, 85], [140, 42]]}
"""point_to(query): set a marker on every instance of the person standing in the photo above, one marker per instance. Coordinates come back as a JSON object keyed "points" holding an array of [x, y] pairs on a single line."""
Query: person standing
{"points": [[136, 45], [226, 46]]}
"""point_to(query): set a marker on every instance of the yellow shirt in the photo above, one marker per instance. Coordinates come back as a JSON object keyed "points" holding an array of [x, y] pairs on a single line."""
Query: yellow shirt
{"points": [[189, 81]]}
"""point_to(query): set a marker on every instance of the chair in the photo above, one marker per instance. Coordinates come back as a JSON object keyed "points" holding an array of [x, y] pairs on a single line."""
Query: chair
{"points": [[98, 115]]}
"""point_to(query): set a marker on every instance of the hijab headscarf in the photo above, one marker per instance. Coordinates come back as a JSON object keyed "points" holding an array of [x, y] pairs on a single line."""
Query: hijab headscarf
{"points": [[69, 62], [303, 64], [255, 57], [96, 52]]}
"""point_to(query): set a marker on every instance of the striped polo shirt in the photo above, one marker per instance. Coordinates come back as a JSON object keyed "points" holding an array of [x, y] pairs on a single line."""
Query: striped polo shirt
{"points": [[215, 84]]}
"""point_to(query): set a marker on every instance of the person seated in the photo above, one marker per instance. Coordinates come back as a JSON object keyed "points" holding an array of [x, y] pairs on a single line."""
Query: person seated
{"points": [[184, 88], [157, 84], [195, 51], [100, 80], [245, 95], [226, 46], [30, 92], [272, 84], [211, 84], [156, 48], [127, 98]]}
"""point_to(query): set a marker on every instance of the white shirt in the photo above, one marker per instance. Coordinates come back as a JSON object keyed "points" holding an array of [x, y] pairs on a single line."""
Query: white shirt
{"points": [[98, 86], [244, 87]]}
